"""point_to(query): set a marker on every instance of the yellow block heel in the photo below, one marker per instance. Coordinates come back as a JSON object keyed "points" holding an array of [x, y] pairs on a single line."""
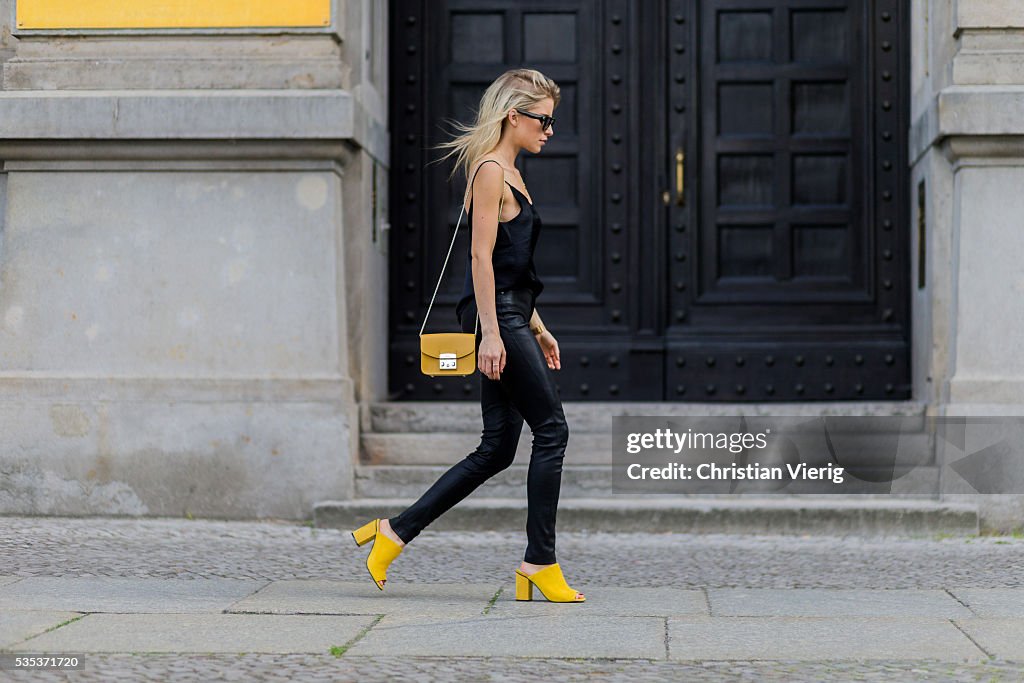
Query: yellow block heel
{"points": [[524, 589], [365, 533], [551, 584], [382, 554]]}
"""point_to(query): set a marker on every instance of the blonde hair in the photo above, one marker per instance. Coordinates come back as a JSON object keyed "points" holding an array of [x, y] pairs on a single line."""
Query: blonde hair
{"points": [[519, 88]]}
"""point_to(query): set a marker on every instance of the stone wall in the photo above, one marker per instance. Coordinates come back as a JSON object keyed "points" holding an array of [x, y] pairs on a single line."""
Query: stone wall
{"points": [[967, 148], [191, 265], [193, 270]]}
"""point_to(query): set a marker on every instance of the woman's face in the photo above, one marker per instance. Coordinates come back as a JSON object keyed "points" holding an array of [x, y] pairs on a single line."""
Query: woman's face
{"points": [[528, 133]]}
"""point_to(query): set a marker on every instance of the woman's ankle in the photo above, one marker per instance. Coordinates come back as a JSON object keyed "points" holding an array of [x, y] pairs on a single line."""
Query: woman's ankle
{"points": [[390, 533]]}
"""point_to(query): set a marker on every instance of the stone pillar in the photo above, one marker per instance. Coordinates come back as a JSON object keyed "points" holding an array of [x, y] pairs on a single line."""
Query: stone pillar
{"points": [[191, 265], [967, 150]]}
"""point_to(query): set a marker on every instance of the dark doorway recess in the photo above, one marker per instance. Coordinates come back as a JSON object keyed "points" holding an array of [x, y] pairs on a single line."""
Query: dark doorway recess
{"points": [[724, 199]]}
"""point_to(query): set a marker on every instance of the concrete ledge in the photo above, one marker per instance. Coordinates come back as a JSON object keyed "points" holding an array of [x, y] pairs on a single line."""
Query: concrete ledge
{"points": [[989, 14], [674, 514], [15, 387], [177, 114], [969, 111], [981, 110]]}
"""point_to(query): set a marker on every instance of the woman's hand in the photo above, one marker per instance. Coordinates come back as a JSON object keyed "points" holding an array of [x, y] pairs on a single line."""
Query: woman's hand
{"points": [[491, 356], [549, 345]]}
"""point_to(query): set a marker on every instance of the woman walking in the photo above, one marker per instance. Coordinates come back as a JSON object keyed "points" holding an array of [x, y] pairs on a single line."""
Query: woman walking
{"points": [[513, 346]]}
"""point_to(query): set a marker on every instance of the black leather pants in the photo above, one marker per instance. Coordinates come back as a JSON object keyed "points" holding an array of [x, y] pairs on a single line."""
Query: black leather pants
{"points": [[525, 391]]}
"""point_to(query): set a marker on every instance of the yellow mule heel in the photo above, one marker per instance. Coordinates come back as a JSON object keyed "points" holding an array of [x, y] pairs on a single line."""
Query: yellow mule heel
{"points": [[384, 551], [365, 533], [551, 583]]}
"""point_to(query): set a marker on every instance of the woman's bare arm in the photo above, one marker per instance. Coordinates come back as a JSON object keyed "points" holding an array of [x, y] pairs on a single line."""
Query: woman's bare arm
{"points": [[488, 185]]}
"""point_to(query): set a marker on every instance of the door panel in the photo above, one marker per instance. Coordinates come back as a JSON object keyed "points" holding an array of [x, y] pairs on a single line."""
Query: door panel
{"points": [[782, 170]]}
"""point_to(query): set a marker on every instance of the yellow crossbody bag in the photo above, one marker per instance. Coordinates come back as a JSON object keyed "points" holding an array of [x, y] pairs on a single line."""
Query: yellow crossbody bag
{"points": [[450, 354]]}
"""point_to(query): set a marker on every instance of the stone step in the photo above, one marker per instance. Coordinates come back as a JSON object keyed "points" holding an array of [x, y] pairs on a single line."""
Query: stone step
{"points": [[868, 516], [586, 416], [442, 433], [440, 448], [446, 448], [407, 446], [578, 481], [410, 481]]}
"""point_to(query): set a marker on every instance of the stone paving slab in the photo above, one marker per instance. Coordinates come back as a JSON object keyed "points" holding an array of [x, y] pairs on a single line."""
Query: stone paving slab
{"points": [[575, 634], [819, 602], [983, 572], [992, 602], [17, 625], [200, 633], [1003, 638], [319, 596], [125, 594], [608, 601], [818, 639]]}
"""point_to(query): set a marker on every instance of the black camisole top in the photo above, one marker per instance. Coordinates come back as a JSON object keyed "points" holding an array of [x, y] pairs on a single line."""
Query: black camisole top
{"points": [[512, 257]]}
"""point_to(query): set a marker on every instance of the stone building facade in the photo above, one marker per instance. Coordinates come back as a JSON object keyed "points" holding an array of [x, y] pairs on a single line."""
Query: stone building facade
{"points": [[967, 164], [194, 264]]}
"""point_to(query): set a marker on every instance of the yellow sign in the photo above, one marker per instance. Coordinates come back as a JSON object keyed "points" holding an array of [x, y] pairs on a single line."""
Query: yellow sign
{"points": [[72, 14]]}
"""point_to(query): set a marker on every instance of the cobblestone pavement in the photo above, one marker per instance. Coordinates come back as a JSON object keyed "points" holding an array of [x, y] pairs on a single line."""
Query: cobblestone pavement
{"points": [[276, 550], [273, 550]]}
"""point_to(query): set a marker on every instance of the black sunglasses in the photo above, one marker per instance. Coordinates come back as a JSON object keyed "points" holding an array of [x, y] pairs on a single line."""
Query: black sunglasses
{"points": [[545, 120]]}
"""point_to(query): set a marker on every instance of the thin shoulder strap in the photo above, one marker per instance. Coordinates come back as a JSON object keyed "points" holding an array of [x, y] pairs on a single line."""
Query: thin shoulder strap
{"points": [[459, 222], [502, 177]]}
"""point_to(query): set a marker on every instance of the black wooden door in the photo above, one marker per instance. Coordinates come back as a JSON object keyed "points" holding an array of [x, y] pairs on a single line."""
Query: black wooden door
{"points": [[787, 264], [779, 270]]}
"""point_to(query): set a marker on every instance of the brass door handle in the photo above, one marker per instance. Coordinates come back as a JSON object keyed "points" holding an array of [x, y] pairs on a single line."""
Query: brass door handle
{"points": [[680, 180]]}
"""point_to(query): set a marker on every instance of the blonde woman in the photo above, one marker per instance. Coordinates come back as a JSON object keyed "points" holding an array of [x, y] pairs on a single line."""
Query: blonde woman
{"points": [[514, 349]]}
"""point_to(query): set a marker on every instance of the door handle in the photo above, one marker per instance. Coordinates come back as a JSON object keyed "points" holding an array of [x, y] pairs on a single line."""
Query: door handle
{"points": [[680, 180]]}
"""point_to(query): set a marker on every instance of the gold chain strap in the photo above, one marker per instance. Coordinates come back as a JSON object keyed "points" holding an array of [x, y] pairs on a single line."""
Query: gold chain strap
{"points": [[501, 203]]}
